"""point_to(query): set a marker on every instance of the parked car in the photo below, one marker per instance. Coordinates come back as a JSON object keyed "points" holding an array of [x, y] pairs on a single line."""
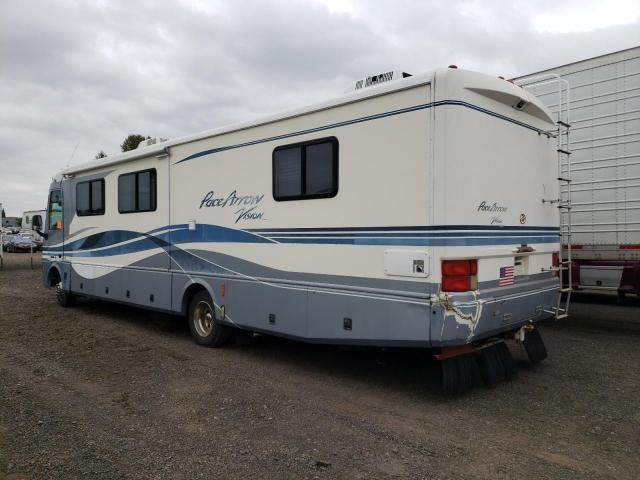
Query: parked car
{"points": [[35, 238], [6, 237], [20, 243]]}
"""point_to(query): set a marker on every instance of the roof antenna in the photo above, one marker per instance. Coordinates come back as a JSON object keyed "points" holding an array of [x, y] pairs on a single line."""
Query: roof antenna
{"points": [[72, 154]]}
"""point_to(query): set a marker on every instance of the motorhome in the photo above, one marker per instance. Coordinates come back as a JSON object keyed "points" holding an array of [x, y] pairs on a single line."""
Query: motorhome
{"points": [[29, 220], [405, 213]]}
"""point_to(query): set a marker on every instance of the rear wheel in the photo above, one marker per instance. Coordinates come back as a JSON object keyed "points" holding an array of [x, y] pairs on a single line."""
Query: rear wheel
{"points": [[534, 345], [459, 374], [204, 328], [508, 362], [491, 366]]}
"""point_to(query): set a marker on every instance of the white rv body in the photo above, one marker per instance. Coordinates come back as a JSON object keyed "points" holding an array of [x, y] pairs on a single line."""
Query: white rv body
{"points": [[430, 168], [605, 168]]}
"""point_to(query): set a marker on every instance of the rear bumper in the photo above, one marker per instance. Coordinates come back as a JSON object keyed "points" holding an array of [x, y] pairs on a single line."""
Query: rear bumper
{"points": [[458, 319]]}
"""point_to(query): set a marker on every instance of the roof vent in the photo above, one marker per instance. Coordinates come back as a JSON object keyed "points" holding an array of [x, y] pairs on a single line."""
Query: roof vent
{"points": [[147, 142], [380, 78]]}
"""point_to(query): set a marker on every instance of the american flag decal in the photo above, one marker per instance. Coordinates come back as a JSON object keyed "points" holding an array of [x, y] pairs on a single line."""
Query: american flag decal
{"points": [[506, 276]]}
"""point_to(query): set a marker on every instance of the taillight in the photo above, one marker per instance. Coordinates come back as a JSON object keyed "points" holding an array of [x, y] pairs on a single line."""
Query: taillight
{"points": [[459, 275]]}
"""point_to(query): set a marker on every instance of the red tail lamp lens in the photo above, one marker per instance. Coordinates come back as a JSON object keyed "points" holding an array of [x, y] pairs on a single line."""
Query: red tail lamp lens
{"points": [[456, 284], [459, 267], [459, 275]]}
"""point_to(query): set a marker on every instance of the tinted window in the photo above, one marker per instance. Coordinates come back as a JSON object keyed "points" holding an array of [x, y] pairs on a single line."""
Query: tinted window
{"points": [[127, 193], [90, 198], [83, 203], [319, 169], [97, 196], [144, 191], [287, 172], [55, 210], [137, 192], [306, 170]]}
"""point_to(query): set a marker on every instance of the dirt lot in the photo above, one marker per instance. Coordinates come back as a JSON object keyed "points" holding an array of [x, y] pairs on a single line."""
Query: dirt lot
{"points": [[105, 391]]}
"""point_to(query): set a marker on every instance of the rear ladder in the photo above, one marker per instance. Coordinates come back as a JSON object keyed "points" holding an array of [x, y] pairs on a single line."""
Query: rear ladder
{"points": [[560, 87]]}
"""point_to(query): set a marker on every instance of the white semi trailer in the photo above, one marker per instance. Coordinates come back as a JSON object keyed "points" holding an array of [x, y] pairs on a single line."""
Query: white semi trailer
{"points": [[604, 120]]}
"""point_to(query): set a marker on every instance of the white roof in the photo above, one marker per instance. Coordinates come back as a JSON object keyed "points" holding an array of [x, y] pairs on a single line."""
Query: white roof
{"points": [[350, 97]]}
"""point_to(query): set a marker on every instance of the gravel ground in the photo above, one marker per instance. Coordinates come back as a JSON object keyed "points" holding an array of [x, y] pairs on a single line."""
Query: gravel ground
{"points": [[105, 391]]}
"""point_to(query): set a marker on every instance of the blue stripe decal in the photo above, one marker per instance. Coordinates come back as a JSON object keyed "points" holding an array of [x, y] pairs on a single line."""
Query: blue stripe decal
{"points": [[278, 236], [360, 120], [120, 242], [412, 228], [425, 242]]}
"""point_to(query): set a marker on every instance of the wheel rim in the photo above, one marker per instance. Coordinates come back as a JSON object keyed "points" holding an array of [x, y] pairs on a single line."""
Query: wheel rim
{"points": [[203, 319]]}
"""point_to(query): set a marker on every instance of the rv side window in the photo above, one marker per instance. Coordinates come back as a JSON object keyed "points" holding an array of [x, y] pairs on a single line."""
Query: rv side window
{"points": [[137, 192], [306, 170], [55, 210], [90, 198]]}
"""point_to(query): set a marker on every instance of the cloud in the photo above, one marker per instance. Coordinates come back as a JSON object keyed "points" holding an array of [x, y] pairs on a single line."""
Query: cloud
{"points": [[87, 74]]}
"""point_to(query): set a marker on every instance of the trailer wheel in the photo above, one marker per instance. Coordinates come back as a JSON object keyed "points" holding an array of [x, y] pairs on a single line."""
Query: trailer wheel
{"points": [[204, 328], [65, 299], [534, 346]]}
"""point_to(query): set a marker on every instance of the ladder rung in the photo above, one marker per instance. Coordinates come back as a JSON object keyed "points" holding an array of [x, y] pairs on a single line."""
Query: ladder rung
{"points": [[561, 316], [560, 150], [562, 179], [564, 124], [565, 290]]}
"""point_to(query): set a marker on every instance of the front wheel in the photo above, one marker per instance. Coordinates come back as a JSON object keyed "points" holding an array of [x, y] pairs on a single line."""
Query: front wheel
{"points": [[204, 328], [65, 299]]}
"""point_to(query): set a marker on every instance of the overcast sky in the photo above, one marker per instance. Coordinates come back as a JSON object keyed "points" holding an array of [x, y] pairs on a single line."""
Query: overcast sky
{"points": [[78, 76]]}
